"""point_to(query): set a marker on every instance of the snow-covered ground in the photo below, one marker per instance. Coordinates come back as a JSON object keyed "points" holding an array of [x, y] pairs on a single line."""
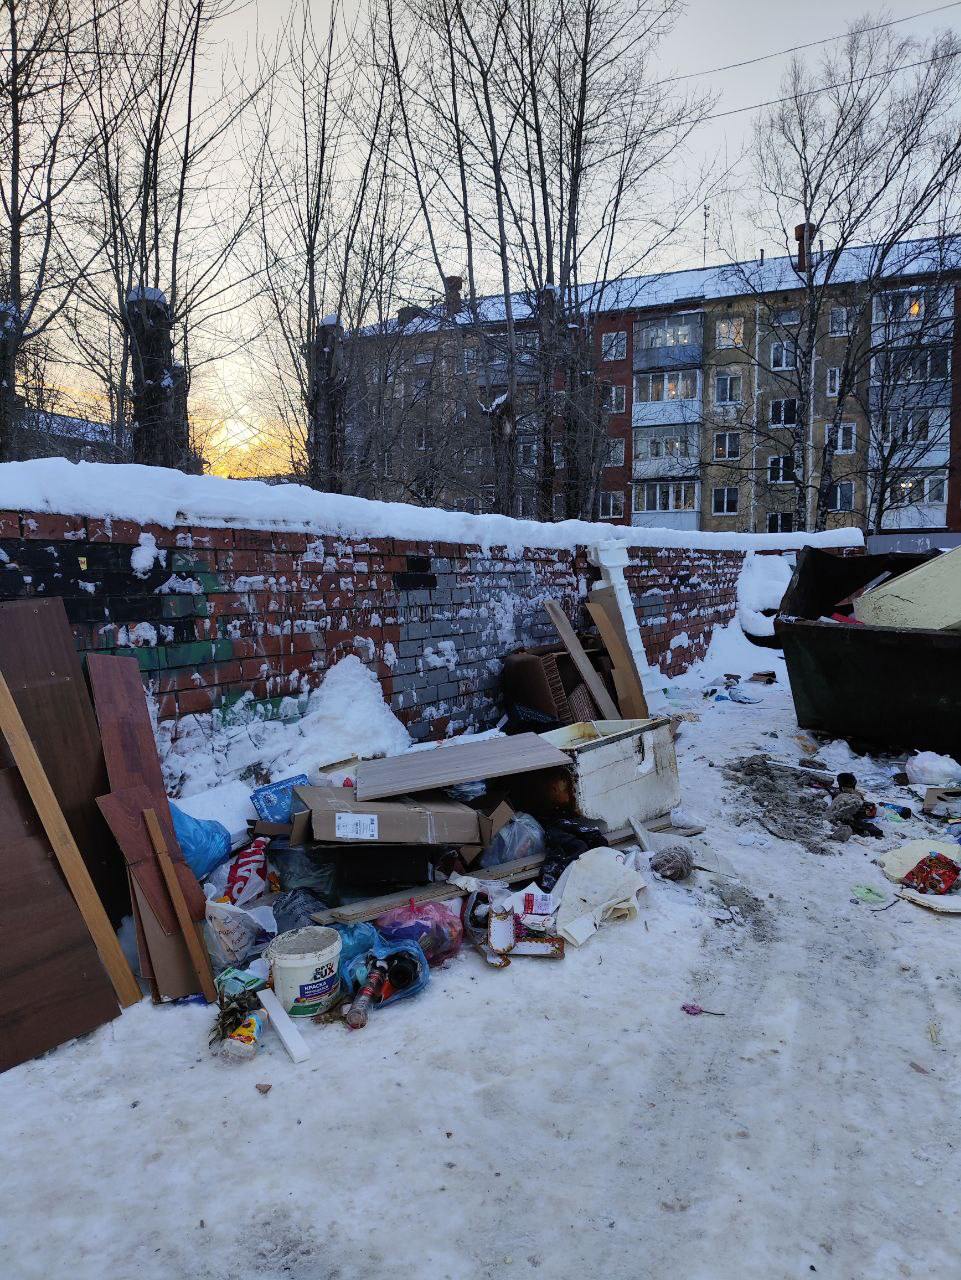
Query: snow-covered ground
{"points": [[559, 1119]]}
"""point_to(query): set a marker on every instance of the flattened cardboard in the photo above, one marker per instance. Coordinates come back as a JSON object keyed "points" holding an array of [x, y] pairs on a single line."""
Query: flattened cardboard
{"points": [[448, 765], [933, 796], [494, 811], [338, 816]]}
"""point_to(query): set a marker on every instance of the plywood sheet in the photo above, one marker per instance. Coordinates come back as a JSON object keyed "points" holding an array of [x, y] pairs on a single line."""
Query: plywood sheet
{"points": [[53, 986], [129, 746], [42, 669], [460, 762]]}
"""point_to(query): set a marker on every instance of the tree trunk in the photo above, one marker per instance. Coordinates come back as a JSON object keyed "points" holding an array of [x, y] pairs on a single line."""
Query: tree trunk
{"points": [[161, 436], [9, 342]]}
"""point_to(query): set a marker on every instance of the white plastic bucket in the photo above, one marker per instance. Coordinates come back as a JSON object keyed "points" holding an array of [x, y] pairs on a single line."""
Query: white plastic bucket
{"points": [[303, 966]]}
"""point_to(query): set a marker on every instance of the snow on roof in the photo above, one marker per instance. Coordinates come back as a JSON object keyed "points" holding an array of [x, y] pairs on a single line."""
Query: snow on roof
{"points": [[154, 495], [60, 424], [695, 285]]}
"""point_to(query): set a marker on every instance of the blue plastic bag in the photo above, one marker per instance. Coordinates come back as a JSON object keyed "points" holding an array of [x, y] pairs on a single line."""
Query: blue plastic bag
{"points": [[204, 841], [358, 941]]}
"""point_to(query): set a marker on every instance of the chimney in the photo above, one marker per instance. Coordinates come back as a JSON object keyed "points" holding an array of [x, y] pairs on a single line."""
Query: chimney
{"points": [[804, 235], [452, 299]]}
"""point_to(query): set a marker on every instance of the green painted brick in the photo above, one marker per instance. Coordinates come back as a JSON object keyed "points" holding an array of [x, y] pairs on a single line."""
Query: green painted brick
{"points": [[186, 561], [174, 606], [211, 582], [197, 653], [150, 658]]}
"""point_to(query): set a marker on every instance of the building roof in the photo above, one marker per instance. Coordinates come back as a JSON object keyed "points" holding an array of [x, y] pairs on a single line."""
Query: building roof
{"points": [[694, 286]]}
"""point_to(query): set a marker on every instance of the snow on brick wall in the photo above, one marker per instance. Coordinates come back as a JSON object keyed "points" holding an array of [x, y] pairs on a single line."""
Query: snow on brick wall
{"points": [[216, 615]]}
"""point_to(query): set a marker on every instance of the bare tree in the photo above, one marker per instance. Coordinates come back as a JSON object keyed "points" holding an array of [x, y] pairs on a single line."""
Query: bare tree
{"points": [[862, 153]]}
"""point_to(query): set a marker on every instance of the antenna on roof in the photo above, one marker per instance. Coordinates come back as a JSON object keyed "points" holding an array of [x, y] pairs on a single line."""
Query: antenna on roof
{"points": [[762, 258], [707, 215]]}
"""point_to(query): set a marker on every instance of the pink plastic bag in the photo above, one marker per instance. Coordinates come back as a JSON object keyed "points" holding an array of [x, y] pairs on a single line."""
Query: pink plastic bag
{"points": [[432, 925]]}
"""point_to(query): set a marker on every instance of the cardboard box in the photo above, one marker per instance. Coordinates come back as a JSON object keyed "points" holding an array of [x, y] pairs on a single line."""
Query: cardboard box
{"points": [[949, 797], [338, 816], [494, 811]]}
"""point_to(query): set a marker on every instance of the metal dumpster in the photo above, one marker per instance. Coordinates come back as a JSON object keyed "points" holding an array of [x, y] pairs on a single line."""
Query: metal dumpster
{"points": [[882, 687]]}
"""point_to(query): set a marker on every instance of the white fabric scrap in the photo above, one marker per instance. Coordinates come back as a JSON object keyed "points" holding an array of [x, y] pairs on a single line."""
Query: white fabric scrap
{"points": [[598, 888]]}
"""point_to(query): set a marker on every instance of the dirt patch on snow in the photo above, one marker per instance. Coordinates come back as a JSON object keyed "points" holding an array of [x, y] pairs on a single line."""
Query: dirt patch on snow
{"points": [[780, 802]]}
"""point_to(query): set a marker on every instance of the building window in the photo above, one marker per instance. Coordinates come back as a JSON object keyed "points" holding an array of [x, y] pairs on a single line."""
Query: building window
{"points": [[780, 522], [727, 444], [679, 385], [527, 453], [842, 496], [558, 507], [420, 438], [729, 332], [783, 355], [657, 446], [923, 367], [476, 456], [834, 383], [934, 489], [527, 340], [727, 387], [788, 316], [664, 495], [611, 504], [615, 454], [841, 436], [784, 412], [725, 500], [902, 428], [524, 505], [842, 321], [615, 397], [780, 469], [665, 333], [614, 345]]}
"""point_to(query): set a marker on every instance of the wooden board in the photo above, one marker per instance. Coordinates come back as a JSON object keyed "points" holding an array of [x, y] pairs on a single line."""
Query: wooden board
{"points": [[195, 948], [42, 668], [460, 762], [371, 908], [53, 986], [68, 855], [595, 685], [123, 811], [129, 747], [630, 690]]}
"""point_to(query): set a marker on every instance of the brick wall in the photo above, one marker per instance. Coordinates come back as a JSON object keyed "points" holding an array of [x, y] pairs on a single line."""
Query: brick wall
{"points": [[221, 618]]}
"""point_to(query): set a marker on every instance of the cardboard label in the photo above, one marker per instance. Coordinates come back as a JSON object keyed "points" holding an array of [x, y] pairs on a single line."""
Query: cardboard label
{"points": [[355, 826]]}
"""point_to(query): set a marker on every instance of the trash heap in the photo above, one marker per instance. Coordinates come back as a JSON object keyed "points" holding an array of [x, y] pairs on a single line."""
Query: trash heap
{"points": [[346, 886]]}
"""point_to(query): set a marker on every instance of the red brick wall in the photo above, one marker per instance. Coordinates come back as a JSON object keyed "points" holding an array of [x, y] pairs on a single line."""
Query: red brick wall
{"points": [[229, 614]]}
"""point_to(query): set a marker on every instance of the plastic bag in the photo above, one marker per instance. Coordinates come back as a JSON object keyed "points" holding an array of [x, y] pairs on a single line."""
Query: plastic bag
{"points": [[295, 909], [522, 837], [205, 842], [245, 877], [432, 925], [354, 973], [234, 933], [298, 868]]}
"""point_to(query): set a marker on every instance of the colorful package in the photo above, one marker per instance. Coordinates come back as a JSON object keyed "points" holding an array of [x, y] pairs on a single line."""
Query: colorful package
{"points": [[934, 874]]}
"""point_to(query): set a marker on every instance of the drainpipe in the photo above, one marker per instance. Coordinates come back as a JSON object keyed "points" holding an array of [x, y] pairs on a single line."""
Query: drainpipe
{"points": [[810, 464]]}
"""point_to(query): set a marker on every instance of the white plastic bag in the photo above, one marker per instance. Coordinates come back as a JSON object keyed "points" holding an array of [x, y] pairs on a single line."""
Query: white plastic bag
{"points": [[234, 933]]}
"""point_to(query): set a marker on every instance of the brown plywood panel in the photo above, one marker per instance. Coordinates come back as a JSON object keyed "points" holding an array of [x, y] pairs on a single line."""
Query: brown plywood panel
{"points": [[460, 762], [123, 811], [42, 669], [53, 986], [129, 746]]}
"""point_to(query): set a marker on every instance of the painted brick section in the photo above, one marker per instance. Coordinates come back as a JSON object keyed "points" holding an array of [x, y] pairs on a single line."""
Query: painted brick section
{"points": [[230, 616]]}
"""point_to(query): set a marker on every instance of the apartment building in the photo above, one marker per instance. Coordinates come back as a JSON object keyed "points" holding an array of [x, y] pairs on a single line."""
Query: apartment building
{"points": [[712, 380]]}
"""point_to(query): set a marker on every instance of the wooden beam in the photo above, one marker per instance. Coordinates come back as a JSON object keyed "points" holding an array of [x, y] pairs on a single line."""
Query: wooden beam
{"points": [[605, 703], [198, 953], [630, 691], [65, 848]]}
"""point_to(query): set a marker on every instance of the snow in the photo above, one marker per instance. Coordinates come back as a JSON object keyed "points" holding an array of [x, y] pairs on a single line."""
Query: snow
{"points": [[170, 498], [761, 585], [145, 555], [563, 1119], [146, 293], [345, 716]]}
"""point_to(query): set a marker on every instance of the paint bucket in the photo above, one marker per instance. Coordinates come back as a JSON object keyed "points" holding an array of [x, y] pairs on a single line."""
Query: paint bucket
{"points": [[304, 969]]}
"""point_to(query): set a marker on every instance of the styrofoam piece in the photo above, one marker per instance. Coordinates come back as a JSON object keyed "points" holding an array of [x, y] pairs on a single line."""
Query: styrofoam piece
{"points": [[290, 1037]]}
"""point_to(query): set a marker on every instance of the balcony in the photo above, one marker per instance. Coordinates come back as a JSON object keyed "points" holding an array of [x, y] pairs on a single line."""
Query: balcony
{"points": [[651, 413], [666, 519], [675, 342]]}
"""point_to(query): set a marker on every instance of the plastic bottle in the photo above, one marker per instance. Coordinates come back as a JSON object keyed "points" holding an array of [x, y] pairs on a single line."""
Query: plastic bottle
{"points": [[369, 994], [244, 1041]]}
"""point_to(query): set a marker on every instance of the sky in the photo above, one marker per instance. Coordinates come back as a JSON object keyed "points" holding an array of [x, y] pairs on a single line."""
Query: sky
{"points": [[709, 34]]}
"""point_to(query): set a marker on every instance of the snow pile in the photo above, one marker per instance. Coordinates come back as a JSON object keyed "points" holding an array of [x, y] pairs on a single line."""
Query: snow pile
{"points": [[170, 498], [761, 586], [145, 554], [346, 716]]}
